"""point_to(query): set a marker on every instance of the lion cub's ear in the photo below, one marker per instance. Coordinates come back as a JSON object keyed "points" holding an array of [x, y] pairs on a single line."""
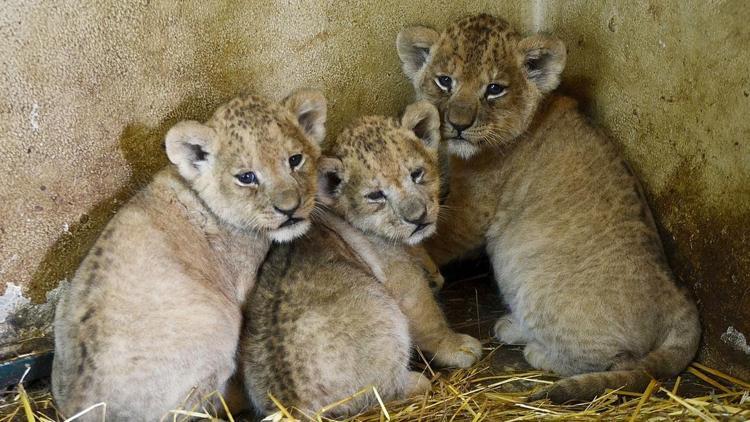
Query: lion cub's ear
{"points": [[331, 179], [413, 45], [544, 59], [423, 119], [189, 145], [309, 108]]}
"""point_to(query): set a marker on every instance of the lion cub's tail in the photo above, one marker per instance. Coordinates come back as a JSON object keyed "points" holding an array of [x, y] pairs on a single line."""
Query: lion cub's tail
{"points": [[668, 359]]}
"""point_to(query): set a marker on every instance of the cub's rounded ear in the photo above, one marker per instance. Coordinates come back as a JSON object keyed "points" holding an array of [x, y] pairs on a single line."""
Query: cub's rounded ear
{"points": [[423, 119], [189, 144], [309, 108], [331, 179], [544, 59], [413, 45]]}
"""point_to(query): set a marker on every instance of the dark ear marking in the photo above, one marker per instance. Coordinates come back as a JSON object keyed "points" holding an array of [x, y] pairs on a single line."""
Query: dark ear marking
{"points": [[309, 108], [188, 145], [330, 179], [422, 129], [307, 122], [423, 119], [537, 65], [199, 154], [332, 183], [413, 46], [544, 60], [532, 64], [422, 52]]}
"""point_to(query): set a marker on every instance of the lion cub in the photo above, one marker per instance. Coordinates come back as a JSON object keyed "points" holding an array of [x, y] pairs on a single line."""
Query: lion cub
{"points": [[337, 311], [574, 248], [152, 318]]}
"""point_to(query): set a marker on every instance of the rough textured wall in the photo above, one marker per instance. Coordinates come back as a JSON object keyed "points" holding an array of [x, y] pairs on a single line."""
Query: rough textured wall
{"points": [[87, 90]]}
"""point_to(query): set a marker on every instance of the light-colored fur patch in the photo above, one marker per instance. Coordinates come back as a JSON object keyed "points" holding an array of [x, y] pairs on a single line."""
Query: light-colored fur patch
{"points": [[152, 317]]}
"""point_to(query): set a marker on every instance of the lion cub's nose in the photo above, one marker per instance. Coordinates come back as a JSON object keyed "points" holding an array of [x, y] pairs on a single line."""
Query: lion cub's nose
{"points": [[414, 212], [419, 220], [286, 202], [461, 116], [459, 127]]}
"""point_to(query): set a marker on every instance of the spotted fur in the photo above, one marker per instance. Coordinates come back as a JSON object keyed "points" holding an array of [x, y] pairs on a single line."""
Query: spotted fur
{"points": [[573, 245], [338, 310], [151, 320]]}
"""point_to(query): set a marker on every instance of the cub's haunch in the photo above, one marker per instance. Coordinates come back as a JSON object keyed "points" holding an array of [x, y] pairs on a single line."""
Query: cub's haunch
{"points": [[573, 245], [152, 318]]}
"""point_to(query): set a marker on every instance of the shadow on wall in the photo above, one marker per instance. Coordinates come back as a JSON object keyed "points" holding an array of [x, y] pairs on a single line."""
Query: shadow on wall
{"points": [[580, 86], [708, 250], [143, 149]]}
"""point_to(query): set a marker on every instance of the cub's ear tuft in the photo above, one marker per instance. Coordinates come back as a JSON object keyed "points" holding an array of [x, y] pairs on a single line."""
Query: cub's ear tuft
{"points": [[413, 45], [423, 119], [330, 179], [310, 109], [189, 144], [544, 59]]}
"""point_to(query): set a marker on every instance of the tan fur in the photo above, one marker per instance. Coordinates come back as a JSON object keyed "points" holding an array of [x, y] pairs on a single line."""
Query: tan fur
{"points": [[152, 317], [337, 311], [320, 328], [378, 154], [575, 251]]}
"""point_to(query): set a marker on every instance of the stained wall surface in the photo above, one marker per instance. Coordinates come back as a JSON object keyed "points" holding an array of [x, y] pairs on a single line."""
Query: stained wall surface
{"points": [[88, 89]]}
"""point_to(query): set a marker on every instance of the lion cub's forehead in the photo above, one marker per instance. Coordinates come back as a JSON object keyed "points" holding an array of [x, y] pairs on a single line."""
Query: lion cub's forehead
{"points": [[253, 125], [252, 115], [476, 43], [377, 146]]}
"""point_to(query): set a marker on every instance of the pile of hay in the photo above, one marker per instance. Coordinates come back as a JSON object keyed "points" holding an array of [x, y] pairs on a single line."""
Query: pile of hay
{"points": [[480, 394], [474, 395]]}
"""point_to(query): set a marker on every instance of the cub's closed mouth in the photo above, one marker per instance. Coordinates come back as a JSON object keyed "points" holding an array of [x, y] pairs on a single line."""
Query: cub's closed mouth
{"points": [[420, 228], [290, 222]]}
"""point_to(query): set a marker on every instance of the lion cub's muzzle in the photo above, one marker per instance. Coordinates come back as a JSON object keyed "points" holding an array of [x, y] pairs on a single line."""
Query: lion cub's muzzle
{"points": [[291, 210], [414, 213], [459, 117], [287, 203]]}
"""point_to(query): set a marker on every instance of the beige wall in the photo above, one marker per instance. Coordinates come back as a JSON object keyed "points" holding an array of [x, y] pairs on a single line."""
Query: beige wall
{"points": [[87, 91]]}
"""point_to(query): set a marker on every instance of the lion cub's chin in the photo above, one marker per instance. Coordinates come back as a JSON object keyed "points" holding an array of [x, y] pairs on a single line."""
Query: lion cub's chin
{"points": [[289, 233], [418, 237], [462, 148]]}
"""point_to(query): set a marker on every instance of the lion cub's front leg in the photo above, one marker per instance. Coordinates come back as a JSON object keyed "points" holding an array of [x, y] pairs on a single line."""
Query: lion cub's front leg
{"points": [[430, 269], [427, 324]]}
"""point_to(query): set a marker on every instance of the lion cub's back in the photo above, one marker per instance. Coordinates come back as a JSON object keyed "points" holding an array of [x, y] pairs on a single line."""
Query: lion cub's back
{"points": [[114, 319], [320, 327]]}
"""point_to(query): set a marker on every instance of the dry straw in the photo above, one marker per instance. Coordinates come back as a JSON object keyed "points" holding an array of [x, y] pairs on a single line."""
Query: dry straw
{"points": [[480, 394]]}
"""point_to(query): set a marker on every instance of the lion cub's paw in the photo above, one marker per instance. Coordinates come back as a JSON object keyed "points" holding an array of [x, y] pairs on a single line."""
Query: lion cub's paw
{"points": [[417, 384], [507, 330], [436, 282], [458, 350]]}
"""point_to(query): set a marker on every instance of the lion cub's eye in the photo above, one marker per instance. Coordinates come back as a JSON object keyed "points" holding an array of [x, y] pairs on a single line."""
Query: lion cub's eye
{"points": [[378, 196], [295, 161], [246, 179], [444, 82], [417, 175], [495, 91]]}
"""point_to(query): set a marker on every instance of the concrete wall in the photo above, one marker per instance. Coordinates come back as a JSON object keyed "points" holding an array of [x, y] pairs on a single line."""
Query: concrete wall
{"points": [[87, 90]]}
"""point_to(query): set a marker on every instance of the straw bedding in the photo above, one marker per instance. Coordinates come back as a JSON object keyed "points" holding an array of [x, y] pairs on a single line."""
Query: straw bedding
{"points": [[484, 393]]}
